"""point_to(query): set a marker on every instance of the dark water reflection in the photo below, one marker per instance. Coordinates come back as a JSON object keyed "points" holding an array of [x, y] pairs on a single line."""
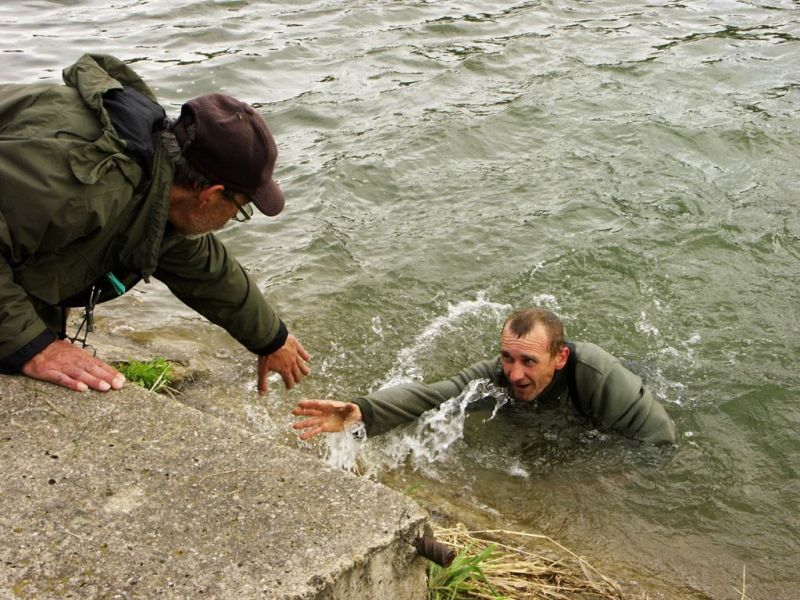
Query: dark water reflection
{"points": [[633, 166]]}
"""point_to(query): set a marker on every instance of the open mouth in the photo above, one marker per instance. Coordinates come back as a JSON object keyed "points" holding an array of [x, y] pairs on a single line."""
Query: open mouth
{"points": [[522, 390]]}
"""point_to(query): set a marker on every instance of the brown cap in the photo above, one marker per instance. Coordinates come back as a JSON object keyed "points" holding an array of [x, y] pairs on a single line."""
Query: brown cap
{"points": [[231, 144]]}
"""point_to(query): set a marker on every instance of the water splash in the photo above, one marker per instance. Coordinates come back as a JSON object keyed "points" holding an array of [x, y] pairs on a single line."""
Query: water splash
{"points": [[644, 325], [548, 301], [431, 437], [377, 328], [342, 450], [422, 443], [407, 369]]}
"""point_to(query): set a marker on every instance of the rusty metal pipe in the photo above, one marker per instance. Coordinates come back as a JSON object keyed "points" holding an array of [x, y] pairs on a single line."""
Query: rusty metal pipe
{"points": [[434, 551]]}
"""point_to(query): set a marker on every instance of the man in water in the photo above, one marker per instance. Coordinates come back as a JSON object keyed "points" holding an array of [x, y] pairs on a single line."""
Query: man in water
{"points": [[536, 364], [99, 190]]}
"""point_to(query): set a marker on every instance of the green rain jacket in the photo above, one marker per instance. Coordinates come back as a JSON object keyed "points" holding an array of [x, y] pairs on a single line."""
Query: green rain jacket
{"points": [[594, 383], [84, 193]]}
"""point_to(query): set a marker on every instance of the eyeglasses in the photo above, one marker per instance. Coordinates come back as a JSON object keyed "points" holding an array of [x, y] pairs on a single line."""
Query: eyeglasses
{"points": [[245, 212]]}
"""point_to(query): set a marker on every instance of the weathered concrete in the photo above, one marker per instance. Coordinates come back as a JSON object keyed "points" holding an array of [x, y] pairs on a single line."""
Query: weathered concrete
{"points": [[130, 494]]}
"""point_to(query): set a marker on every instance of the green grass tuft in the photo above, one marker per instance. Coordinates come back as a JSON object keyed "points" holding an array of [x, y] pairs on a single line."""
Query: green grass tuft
{"points": [[464, 578], [154, 375]]}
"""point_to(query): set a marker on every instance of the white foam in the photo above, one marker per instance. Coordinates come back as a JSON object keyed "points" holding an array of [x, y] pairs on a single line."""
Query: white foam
{"points": [[407, 369]]}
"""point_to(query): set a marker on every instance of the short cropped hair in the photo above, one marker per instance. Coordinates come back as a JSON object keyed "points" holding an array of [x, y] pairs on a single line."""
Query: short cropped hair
{"points": [[185, 174], [521, 322]]}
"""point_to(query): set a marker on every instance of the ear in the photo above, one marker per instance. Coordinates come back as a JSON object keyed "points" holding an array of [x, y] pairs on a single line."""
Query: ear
{"points": [[562, 357], [207, 194]]}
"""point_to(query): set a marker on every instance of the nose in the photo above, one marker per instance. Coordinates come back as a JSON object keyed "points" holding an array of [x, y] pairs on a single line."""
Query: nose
{"points": [[516, 373]]}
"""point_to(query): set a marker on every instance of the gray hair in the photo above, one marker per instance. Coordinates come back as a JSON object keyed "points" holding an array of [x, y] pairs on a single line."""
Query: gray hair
{"points": [[185, 174]]}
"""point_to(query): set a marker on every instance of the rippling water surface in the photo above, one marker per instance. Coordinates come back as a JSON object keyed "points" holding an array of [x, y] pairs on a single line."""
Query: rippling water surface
{"points": [[634, 166]]}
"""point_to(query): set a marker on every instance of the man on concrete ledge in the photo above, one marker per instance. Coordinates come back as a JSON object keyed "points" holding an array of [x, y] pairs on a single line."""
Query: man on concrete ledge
{"points": [[535, 364], [98, 190]]}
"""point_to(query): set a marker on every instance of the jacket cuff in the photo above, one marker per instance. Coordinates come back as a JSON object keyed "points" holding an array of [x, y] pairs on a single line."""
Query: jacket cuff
{"points": [[277, 342], [366, 413], [13, 362]]}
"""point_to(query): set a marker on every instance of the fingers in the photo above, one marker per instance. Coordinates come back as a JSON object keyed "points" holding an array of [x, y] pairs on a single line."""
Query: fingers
{"points": [[306, 412], [69, 366], [298, 370], [314, 427], [99, 377], [263, 384], [313, 422], [262, 367], [320, 405], [64, 380], [102, 377], [302, 352], [299, 348], [288, 381], [107, 373], [307, 435], [301, 370], [325, 416], [118, 381], [290, 361]]}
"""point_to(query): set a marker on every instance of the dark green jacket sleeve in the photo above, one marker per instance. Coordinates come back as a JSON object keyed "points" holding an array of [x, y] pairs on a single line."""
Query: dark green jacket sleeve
{"points": [[400, 404], [203, 275], [617, 399], [22, 332]]}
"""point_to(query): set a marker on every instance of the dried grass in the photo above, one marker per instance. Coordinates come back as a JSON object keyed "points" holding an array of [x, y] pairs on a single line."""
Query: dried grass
{"points": [[506, 571]]}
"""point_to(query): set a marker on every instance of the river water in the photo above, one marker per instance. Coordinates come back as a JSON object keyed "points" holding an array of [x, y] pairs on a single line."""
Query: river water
{"points": [[633, 166]]}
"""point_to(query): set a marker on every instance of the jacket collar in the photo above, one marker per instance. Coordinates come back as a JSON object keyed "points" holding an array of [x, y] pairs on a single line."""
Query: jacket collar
{"points": [[141, 252], [554, 390]]}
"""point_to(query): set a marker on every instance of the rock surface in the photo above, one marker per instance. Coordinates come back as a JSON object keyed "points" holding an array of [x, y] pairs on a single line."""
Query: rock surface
{"points": [[131, 494]]}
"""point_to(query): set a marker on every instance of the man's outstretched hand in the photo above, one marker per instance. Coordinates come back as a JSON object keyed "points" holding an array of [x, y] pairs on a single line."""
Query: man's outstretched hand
{"points": [[327, 416], [289, 360], [65, 364]]}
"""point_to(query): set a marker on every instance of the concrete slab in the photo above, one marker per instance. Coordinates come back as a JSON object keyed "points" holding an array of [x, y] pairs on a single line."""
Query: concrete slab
{"points": [[130, 494]]}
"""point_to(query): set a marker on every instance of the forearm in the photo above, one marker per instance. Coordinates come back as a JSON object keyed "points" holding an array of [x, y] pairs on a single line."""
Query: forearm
{"points": [[22, 332], [393, 406], [390, 407], [205, 277]]}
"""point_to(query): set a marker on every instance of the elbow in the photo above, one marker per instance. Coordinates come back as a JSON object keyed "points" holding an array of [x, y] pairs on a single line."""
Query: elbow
{"points": [[666, 435]]}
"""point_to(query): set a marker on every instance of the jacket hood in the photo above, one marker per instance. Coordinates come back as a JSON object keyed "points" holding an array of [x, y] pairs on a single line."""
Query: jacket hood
{"points": [[92, 76]]}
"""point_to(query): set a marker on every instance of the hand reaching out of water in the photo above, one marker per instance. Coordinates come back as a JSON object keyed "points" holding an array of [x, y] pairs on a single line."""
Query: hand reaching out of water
{"points": [[327, 416]]}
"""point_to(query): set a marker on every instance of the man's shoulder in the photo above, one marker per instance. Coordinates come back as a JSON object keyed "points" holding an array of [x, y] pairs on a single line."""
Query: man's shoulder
{"points": [[592, 356], [33, 105], [26, 90], [94, 74]]}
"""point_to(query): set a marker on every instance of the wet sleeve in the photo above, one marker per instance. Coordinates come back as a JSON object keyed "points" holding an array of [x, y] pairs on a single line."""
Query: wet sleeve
{"points": [[618, 400], [393, 406], [205, 277], [22, 333]]}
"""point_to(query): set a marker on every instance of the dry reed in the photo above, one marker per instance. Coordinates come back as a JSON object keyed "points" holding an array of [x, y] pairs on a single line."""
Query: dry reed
{"points": [[505, 571]]}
